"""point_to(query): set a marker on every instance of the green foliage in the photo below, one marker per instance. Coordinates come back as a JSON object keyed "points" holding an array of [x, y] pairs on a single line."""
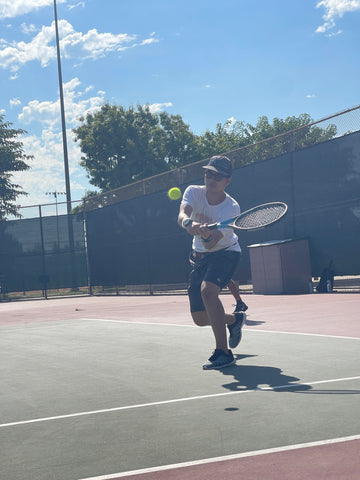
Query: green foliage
{"points": [[302, 136], [121, 146], [80, 206], [12, 159], [229, 136], [178, 143]]}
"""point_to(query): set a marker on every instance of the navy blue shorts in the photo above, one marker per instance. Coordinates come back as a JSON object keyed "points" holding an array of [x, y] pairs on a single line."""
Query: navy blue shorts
{"points": [[217, 267]]}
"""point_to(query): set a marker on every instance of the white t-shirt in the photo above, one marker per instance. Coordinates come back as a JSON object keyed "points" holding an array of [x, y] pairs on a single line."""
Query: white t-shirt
{"points": [[195, 196]]}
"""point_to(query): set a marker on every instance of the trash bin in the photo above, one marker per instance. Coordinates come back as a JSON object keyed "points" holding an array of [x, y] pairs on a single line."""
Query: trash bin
{"points": [[281, 267]]}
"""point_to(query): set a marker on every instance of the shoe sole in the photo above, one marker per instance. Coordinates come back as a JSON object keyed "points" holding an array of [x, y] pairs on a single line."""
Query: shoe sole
{"points": [[238, 332], [243, 310], [211, 367]]}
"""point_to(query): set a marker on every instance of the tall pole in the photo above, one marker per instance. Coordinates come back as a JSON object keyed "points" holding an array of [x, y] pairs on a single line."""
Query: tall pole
{"points": [[66, 159], [55, 195]]}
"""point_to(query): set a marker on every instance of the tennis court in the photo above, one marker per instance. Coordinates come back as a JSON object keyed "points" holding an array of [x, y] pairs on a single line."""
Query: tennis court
{"points": [[112, 387]]}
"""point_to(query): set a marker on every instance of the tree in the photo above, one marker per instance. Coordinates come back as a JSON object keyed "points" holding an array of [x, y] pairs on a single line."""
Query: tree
{"points": [[304, 134], [266, 140], [180, 146], [114, 143], [235, 134], [12, 159], [227, 136], [88, 195], [121, 146]]}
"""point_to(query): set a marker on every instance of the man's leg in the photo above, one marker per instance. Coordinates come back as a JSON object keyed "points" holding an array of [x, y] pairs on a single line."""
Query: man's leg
{"points": [[201, 319], [234, 290], [215, 313], [207, 309], [240, 304]]}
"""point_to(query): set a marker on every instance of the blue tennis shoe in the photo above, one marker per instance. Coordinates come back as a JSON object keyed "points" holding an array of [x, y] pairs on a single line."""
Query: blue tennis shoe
{"points": [[235, 329]]}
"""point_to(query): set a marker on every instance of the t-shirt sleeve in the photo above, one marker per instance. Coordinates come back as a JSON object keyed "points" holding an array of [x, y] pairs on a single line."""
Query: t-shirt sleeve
{"points": [[188, 196]]}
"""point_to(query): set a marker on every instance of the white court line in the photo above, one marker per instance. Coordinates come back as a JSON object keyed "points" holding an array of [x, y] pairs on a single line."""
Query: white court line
{"points": [[306, 334], [168, 402], [129, 322], [194, 326], [225, 458]]}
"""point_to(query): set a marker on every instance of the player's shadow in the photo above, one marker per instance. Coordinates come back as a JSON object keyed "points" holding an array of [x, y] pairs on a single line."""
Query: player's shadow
{"points": [[251, 377], [252, 323]]}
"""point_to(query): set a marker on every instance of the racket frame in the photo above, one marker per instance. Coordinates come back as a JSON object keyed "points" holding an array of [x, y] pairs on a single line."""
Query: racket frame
{"points": [[230, 223]]}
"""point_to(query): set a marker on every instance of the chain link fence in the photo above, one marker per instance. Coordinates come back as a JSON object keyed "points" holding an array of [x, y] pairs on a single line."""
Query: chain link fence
{"points": [[334, 126], [315, 169]]}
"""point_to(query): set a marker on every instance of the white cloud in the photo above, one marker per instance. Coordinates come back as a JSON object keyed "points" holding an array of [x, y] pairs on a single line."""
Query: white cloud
{"points": [[333, 34], [45, 112], [16, 54], [48, 112], [27, 29], [47, 168], [79, 4], [148, 41], [335, 9], [41, 48], [15, 8], [311, 95], [94, 44], [158, 107], [14, 102]]}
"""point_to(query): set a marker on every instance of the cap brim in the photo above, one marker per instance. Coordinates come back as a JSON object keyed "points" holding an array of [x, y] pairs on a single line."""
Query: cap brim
{"points": [[210, 167]]}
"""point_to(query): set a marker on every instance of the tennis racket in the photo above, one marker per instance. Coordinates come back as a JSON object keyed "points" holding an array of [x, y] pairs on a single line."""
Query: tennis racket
{"points": [[255, 218]]}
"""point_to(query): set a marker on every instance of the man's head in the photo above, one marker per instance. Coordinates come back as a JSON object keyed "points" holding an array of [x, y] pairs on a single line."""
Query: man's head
{"points": [[221, 165]]}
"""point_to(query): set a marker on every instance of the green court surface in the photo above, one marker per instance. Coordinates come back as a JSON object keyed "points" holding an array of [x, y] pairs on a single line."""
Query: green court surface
{"points": [[89, 397]]}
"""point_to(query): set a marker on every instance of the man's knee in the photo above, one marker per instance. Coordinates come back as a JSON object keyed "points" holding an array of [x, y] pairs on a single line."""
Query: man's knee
{"points": [[209, 291]]}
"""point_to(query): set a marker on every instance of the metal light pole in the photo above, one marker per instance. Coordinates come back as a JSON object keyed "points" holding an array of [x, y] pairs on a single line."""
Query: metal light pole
{"points": [[66, 160], [55, 195]]}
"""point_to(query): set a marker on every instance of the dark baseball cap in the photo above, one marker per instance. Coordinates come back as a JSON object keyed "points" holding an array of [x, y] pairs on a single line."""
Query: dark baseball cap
{"points": [[220, 164]]}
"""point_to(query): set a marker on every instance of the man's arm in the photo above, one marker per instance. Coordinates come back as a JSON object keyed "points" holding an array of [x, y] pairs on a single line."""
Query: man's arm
{"points": [[209, 237], [184, 213]]}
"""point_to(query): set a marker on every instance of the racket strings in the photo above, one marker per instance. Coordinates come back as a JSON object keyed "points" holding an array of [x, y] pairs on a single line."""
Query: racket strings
{"points": [[260, 217]]}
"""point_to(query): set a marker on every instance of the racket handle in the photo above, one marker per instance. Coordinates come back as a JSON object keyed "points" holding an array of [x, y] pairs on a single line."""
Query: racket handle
{"points": [[213, 226]]}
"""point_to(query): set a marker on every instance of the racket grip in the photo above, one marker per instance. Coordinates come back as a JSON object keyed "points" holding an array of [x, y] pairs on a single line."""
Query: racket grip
{"points": [[213, 226]]}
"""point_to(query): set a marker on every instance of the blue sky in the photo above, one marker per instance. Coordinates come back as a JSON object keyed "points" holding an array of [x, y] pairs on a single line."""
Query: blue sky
{"points": [[207, 60]]}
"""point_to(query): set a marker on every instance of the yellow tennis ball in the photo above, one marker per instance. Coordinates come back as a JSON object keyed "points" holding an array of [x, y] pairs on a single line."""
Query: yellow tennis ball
{"points": [[174, 193]]}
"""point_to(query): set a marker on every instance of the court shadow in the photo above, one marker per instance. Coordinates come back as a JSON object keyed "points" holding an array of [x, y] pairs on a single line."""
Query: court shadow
{"points": [[239, 356], [253, 322], [250, 377]]}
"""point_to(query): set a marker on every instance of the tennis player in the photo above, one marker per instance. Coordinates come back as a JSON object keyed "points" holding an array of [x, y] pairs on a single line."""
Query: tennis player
{"points": [[214, 257]]}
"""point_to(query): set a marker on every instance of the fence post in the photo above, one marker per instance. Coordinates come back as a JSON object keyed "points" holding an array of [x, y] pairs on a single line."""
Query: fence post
{"points": [[43, 277], [292, 184], [88, 269]]}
